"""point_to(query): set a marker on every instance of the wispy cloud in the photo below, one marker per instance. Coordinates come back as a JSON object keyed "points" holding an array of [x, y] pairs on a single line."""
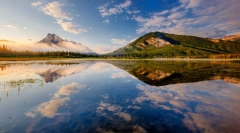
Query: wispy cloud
{"points": [[103, 49], [189, 18], [38, 3], [119, 41], [116, 9], [54, 9], [107, 21], [28, 39], [133, 12], [11, 26], [63, 18], [71, 27]]}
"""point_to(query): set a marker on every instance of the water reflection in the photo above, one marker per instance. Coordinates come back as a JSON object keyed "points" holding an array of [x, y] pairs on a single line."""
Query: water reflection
{"points": [[208, 106], [56, 72], [120, 96], [49, 109], [159, 73]]}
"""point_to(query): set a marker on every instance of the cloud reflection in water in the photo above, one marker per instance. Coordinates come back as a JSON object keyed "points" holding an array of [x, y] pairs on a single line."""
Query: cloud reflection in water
{"points": [[49, 109], [208, 106]]}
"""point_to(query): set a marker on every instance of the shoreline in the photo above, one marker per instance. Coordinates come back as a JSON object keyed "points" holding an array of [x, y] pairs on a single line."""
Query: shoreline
{"points": [[154, 59]]}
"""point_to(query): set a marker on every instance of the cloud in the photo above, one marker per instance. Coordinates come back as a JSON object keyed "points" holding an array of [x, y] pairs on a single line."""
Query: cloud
{"points": [[11, 26], [103, 49], [117, 9], [107, 21], [133, 12], [193, 3], [71, 27], [194, 17], [119, 41], [6, 41], [63, 18], [177, 15], [54, 9], [38, 3]]}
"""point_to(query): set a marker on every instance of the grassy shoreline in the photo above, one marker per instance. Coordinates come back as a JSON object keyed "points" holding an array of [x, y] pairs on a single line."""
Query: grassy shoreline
{"points": [[160, 59]]}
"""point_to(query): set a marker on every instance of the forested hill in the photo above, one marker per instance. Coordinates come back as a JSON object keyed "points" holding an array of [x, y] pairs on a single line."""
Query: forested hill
{"points": [[158, 44]]}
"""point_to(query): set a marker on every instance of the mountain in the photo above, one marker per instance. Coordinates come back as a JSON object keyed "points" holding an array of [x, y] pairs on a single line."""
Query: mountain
{"points": [[158, 44], [54, 42], [234, 38]]}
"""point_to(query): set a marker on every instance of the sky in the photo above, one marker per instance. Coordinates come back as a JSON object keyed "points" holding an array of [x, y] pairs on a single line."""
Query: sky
{"points": [[106, 25]]}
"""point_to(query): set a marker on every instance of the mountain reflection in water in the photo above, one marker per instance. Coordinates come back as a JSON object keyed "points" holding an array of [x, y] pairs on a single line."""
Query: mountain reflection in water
{"points": [[120, 96]]}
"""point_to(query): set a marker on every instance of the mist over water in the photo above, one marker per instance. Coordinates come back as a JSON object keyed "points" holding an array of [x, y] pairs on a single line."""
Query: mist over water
{"points": [[120, 96]]}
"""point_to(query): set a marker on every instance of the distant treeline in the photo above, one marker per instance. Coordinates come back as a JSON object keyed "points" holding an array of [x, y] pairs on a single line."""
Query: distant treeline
{"points": [[6, 52]]}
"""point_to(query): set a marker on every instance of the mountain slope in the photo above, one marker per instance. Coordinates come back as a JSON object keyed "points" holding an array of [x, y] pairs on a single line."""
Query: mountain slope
{"points": [[234, 38], [55, 42], [177, 45]]}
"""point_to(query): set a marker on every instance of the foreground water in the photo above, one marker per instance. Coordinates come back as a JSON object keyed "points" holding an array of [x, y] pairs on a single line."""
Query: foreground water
{"points": [[120, 96]]}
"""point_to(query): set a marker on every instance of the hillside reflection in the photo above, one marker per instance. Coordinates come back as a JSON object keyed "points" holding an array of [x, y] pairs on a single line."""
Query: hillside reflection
{"points": [[160, 73]]}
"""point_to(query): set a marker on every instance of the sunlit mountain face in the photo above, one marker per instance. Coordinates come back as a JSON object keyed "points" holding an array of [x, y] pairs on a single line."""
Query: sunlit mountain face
{"points": [[120, 96]]}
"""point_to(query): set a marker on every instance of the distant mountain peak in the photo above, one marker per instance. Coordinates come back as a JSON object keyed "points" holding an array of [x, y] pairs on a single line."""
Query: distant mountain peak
{"points": [[51, 38], [58, 43]]}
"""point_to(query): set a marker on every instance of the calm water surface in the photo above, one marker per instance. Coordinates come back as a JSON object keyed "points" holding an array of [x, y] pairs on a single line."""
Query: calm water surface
{"points": [[120, 96]]}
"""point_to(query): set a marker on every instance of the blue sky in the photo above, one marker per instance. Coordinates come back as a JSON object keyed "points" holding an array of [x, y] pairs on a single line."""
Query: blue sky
{"points": [[105, 25]]}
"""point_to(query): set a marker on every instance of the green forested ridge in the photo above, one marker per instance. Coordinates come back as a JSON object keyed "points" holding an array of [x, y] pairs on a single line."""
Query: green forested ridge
{"points": [[182, 45]]}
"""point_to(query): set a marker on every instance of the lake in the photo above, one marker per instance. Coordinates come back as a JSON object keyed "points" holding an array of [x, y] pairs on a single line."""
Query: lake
{"points": [[120, 96]]}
